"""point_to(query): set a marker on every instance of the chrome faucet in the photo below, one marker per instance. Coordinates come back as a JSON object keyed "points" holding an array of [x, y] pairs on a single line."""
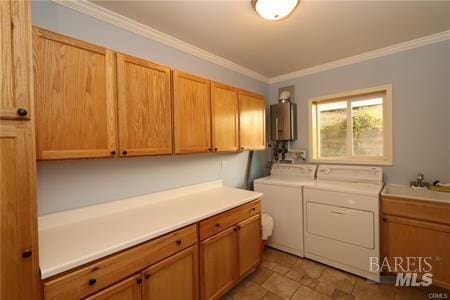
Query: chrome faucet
{"points": [[419, 183]]}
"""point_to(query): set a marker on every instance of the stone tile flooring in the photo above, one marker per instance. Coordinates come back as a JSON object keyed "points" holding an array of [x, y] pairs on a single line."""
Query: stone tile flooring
{"points": [[284, 276]]}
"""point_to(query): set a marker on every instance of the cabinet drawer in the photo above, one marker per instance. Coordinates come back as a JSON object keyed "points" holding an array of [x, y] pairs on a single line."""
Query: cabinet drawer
{"points": [[416, 209], [98, 275], [229, 218]]}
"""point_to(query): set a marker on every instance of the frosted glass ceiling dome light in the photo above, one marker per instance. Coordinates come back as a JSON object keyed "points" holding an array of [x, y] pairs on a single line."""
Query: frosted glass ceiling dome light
{"points": [[274, 9]]}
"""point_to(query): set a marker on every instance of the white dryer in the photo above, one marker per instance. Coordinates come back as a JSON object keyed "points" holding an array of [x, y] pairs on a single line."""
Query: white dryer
{"points": [[342, 218], [283, 200]]}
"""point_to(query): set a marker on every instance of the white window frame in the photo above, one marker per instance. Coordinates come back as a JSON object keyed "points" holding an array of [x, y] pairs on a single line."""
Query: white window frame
{"points": [[386, 159]]}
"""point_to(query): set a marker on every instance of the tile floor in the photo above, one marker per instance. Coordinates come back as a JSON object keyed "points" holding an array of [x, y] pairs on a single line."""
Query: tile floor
{"points": [[284, 276]]}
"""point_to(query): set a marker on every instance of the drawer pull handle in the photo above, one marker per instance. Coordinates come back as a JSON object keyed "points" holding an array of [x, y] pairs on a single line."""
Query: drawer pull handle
{"points": [[384, 219], [253, 209], [337, 212], [92, 281], [178, 242], [147, 275], [217, 224], [22, 112], [139, 280], [27, 253], [237, 227]]}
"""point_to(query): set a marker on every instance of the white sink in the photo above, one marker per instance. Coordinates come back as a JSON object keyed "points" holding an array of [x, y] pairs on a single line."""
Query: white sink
{"points": [[404, 191]]}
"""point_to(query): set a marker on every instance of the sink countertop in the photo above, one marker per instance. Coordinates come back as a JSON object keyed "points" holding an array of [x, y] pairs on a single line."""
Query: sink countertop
{"points": [[404, 191], [72, 238]]}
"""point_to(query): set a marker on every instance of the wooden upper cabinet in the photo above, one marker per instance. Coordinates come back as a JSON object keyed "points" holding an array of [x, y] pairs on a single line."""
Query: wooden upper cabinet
{"points": [[224, 117], [18, 245], [144, 106], [15, 60], [75, 98], [128, 289], [252, 117], [192, 113], [174, 278]]}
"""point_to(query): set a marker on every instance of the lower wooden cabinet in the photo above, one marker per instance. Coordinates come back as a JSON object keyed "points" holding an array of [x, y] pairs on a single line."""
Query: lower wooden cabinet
{"points": [[228, 256], [174, 278], [128, 289], [413, 228]]}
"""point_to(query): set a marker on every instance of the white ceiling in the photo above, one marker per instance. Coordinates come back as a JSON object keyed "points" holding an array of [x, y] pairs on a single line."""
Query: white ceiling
{"points": [[316, 33]]}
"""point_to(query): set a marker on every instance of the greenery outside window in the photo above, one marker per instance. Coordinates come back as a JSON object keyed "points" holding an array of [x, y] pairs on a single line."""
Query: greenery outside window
{"points": [[353, 127]]}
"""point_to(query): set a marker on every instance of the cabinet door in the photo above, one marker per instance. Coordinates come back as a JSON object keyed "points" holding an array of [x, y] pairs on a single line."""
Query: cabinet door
{"points": [[15, 60], [218, 263], [18, 247], [224, 117], [75, 98], [252, 119], [402, 237], [249, 244], [145, 107], [192, 113], [128, 289], [174, 278]]}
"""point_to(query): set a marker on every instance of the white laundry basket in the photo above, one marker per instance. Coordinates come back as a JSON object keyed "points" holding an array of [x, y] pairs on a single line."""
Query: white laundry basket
{"points": [[267, 229]]}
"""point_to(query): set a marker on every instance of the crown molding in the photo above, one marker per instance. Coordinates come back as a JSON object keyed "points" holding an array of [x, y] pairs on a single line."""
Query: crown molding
{"points": [[106, 15], [423, 41]]}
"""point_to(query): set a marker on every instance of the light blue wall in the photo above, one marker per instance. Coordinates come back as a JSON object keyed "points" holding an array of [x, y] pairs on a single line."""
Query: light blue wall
{"points": [[421, 106], [70, 184]]}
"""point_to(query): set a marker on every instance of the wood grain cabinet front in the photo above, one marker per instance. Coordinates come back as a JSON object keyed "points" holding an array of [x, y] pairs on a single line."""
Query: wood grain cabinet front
{"points": [[127, 289], [144, 107], [174, 278], [252, 120], [418, 229], [18, 245], [75, 98], [192, 113], [224, 118], [15, 60]]}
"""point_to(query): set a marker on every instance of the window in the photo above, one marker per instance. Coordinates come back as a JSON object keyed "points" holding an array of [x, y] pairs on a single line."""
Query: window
{"points": [[353, 127]]}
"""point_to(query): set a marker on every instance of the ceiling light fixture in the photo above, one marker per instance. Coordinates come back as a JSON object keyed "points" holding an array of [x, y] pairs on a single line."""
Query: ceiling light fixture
{"points": [[274, 9]]}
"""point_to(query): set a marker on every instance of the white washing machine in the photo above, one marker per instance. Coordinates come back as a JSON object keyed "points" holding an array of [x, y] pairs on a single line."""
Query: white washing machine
{"points": [[282, 199], [342, 218]]}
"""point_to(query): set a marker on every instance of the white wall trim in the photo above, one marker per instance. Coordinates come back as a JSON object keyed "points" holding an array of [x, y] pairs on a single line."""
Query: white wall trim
{"points": [[106, 15], [423, 41]]}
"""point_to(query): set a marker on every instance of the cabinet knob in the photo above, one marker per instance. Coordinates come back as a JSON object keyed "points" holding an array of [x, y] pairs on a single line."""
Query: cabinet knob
{"points": [[242, 148], [124, 152], [384, 219], [139, 280], [22, 112], [27, 253], [253, 209], [113, 152], [147, 275], [209, 149], [217, 224], [178, 242], [92, 281], [215, 149]]}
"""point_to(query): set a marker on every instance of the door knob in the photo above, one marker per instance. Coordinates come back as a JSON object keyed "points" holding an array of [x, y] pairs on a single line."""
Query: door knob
{"points": [[124, 152], [27, 253]]}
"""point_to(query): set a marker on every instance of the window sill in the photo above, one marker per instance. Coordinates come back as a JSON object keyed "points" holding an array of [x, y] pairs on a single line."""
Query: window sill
{"points": [[354, 162]]}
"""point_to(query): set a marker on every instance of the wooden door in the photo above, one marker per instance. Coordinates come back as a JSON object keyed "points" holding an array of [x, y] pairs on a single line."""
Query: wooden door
{"points": [[218, 263], [75, 98], [252, 121], [174, 278], [224, 117], [249, 244], [19, 255], [192, 113], [402, 237], [15, 60], [128, 289], [144, 106]]}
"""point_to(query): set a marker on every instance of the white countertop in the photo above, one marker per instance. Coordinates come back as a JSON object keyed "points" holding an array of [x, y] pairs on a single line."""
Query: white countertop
{"points": [[404, 191], [73, 238]]}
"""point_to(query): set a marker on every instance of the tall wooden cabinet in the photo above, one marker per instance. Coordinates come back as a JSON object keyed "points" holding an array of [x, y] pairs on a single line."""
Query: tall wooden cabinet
{"points": [[224, 117], [19, 278], [252, 117], [192, 113], [75, 97], [144, 107]]}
